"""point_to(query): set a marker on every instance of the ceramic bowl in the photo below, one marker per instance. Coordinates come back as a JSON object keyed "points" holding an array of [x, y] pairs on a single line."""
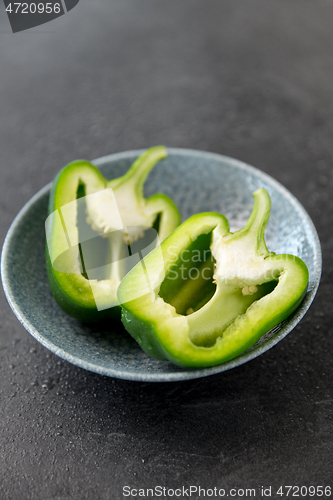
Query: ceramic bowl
{"points": [[197, 182]]}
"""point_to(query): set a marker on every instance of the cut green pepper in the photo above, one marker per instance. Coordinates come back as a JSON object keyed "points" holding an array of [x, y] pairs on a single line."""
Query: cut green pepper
{"points": [[214, 293], [83, 205]]}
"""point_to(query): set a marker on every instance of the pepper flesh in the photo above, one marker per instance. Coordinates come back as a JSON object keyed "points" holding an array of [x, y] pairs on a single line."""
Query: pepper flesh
{"points": [[250, 291], [118, 211]]}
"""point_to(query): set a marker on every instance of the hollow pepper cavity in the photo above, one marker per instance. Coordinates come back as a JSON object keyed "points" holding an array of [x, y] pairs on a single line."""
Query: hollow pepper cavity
{"points": [[208, 294], [86, 209]]}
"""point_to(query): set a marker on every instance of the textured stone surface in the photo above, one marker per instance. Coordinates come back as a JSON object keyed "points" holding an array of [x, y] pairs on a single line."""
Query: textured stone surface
{"points": [[252, 80]]}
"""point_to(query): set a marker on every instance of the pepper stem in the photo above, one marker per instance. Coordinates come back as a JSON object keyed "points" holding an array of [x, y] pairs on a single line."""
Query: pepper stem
{"points": [[254, 231], [140, 169]]}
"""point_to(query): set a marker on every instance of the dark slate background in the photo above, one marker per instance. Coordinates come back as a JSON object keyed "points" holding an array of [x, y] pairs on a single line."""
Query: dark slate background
{"points": [[250, 79]]}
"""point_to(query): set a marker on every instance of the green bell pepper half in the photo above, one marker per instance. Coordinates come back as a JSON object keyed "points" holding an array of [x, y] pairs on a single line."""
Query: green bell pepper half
{"points": [[209, 294], [120, 215]]}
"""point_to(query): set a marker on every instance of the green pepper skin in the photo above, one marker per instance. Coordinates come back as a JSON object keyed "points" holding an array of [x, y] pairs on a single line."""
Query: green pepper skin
{"points": [[255, 291], [70, 287]]}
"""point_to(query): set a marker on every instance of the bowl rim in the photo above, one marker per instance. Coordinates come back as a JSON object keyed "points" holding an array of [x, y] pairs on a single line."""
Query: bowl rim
{"points": [[182, 374]]}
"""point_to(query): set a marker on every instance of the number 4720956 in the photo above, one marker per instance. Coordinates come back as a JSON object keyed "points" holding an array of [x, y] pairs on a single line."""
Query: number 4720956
{"points": [[33, 8], [305, 491]]}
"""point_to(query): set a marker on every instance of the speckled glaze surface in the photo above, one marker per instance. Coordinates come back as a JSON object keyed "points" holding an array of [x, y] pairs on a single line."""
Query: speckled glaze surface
{"points": [[197, 182]]}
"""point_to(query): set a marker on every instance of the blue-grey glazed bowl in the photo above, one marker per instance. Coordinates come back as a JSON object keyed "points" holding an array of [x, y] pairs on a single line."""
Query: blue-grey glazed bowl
{"points": [[198, 182]]}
